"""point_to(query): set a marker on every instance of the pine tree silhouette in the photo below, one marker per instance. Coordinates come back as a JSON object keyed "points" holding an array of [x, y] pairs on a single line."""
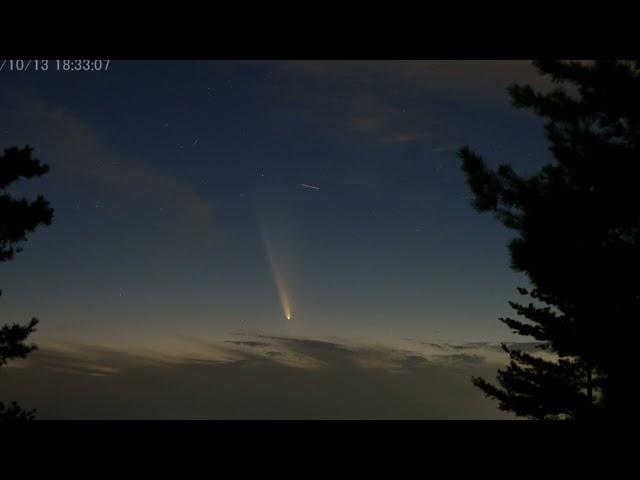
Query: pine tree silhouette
{"points": [[17, 218], [578, 241]]}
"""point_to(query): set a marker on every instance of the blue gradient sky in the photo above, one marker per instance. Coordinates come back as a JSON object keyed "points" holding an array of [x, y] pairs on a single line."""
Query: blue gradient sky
{"points": [[163, 171]]}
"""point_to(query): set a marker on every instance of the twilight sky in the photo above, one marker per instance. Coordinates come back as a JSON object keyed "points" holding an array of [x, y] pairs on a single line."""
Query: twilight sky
{"points": [[199, 202]]}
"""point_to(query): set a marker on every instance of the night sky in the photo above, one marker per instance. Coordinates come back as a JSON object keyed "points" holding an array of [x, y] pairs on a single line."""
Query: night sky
{"points": [[198, 203]]}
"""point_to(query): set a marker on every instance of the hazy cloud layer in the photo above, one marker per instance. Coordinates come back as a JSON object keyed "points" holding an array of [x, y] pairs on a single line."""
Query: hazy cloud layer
{"points": [[269, 378], [397, 102], [448, 77], [82, 159]]}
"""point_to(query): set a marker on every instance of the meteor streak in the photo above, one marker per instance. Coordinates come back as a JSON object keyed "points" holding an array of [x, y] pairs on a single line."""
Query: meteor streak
{"points": [[310, 186]]}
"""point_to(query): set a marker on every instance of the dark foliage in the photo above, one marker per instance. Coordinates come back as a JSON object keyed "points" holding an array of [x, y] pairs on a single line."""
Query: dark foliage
{"points": [[578, 240], [18, 217], [12, 341], [15, 413]]}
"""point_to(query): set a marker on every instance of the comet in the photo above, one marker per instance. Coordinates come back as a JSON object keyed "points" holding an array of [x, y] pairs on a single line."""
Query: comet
{"points": [[278, 279], [310, 186]]}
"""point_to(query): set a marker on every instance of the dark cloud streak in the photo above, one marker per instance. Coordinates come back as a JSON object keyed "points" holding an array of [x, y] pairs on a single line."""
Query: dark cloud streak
{"points": [[331, 380]]}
